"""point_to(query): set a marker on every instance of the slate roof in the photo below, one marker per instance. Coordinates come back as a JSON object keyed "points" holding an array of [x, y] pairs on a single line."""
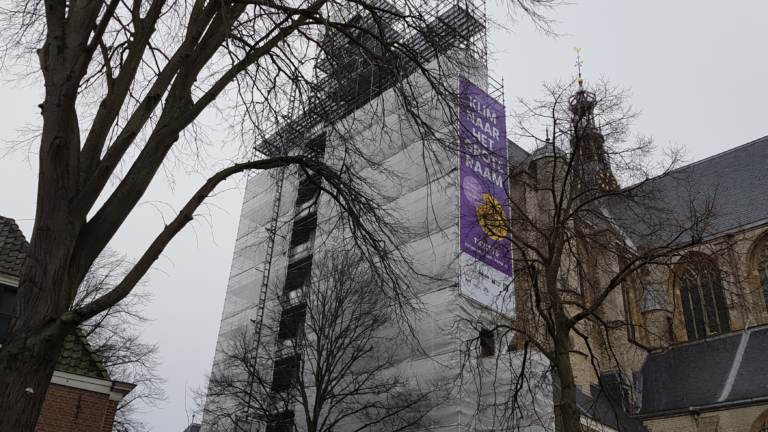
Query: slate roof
{"points": [[607, 410], [697, 374], [546, 150], [77, 357], [194, 427], [603, 404], [13, 247], [736, 179], [516, 155], [732, 183], [752, 378]]}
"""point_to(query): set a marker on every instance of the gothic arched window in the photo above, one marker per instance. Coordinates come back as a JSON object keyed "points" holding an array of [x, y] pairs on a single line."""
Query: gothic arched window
{"points": [[761, 424], [705, 311], [762, 270]]}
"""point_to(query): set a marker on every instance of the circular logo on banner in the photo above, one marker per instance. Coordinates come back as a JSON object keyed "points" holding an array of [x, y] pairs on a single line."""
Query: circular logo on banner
{"points": [[491, 217], [473, 190]]}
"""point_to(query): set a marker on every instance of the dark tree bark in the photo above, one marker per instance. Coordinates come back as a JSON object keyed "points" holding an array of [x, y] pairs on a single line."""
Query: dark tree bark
{"points": [[124, 81]]}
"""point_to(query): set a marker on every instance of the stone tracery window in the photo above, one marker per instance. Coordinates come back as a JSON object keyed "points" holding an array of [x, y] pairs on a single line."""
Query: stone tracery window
{"points": [[702, 296], [762, 270], [761, 425]]}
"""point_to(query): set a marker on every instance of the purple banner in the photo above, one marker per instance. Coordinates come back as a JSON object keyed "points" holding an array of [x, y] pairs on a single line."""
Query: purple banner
{"points": [[484, 174]]}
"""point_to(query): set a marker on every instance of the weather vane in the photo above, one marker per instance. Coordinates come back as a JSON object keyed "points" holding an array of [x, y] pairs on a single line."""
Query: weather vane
{"points": [[578, 59]]}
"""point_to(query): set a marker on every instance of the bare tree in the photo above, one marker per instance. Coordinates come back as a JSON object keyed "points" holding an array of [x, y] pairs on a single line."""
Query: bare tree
{"points": [[588, 219], [328, 362], [124, 85], [116, 337]]}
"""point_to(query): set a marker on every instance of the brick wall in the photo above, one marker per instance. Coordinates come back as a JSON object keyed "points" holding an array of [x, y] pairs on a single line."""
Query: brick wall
{"points": [[732, 420], [109, 416], [68, 409]]}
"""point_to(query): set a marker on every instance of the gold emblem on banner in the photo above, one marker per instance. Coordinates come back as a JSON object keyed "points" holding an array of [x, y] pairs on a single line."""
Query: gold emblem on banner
{"points": [[491, 217]]}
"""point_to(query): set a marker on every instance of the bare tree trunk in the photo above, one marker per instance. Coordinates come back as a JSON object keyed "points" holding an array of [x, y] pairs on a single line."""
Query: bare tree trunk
{"points": [[37, 330], [35, 337], [560, 332], [568, 409], [29, 361]]}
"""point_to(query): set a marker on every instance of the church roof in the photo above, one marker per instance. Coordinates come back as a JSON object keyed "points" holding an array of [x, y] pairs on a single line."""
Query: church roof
{"points": [[734, 180], [13, 247], [546, 150], [603, 404], [516, 155], [721, 194], [725, 369]]}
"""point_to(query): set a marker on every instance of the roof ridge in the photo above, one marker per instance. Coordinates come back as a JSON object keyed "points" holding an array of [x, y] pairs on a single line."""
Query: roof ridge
{"points": [[509, 141], [735, 365], [717, 155]]}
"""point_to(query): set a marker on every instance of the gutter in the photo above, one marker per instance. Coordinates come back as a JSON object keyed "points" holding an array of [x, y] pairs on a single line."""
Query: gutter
{"points": [[710, 407], [718, 405], [118, 390], [740, 229]]}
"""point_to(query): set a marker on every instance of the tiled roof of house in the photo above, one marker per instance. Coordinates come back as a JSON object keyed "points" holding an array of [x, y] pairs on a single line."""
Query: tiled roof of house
{"points": [[77, 357], [13, 247], [721, 369]]}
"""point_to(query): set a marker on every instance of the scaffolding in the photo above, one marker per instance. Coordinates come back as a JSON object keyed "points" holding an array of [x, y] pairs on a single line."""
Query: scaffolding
{"points": [[349, 71], [348, 77]]}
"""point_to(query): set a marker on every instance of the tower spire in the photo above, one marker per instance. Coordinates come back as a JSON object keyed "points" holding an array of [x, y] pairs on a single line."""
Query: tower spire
{"points": [[588, 141]]}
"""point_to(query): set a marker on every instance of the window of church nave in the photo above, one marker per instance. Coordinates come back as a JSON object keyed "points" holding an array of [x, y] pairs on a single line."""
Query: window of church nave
{"points": [[761, 425], [762, 270], [703, 300]]}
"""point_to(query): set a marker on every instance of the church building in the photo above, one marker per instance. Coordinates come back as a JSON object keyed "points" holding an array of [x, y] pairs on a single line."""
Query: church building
{"points": [[681, 344]]}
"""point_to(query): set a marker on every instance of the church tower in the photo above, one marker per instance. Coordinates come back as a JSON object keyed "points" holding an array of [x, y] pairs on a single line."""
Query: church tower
{"points": [[592, 165]]}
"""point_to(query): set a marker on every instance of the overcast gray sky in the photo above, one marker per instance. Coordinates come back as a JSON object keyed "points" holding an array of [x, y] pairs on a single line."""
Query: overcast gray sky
{"points": [[697, 69]]}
